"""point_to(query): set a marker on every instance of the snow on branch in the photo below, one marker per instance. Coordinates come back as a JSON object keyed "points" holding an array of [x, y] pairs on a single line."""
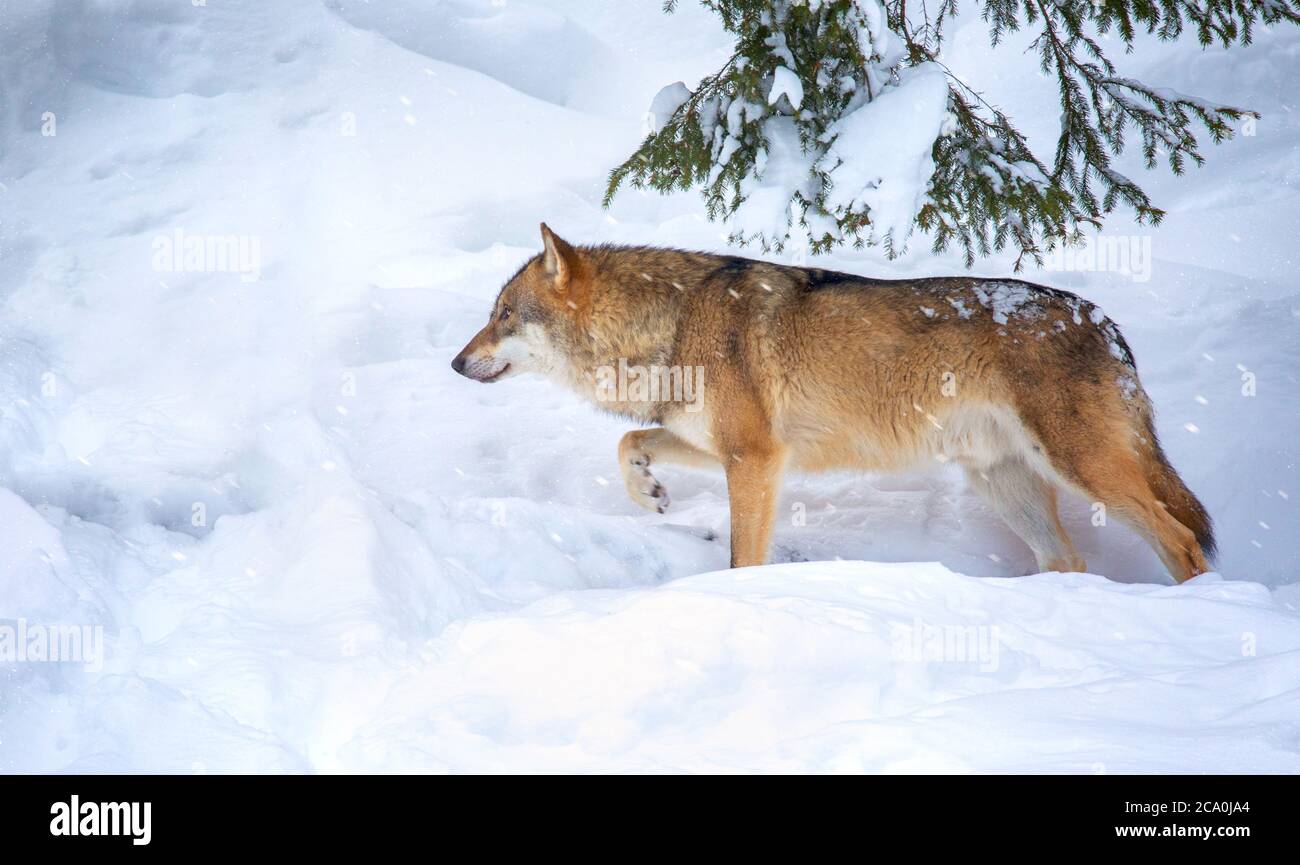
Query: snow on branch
{"points": [[835, 121]]}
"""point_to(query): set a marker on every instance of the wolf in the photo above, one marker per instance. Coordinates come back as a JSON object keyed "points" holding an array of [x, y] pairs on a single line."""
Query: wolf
{"points": [[1030, 389]]}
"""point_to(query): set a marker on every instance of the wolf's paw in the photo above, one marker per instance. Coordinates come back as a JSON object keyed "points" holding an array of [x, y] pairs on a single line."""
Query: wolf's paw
{"points": [[642, 486], [1062, 565]]}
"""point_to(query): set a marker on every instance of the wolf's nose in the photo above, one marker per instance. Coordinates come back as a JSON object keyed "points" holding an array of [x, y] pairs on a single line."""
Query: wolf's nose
{"points": [[458, 364]]}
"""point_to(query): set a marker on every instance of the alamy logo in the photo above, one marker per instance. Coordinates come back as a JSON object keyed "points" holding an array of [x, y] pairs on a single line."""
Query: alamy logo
{"points": [[946, 643], [26, 643], [1129, 255], [208, 253], [131, 819], [654, 383]]}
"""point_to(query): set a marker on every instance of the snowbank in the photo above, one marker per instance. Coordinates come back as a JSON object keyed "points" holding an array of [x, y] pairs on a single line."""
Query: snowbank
{"points": [[856, 667]]}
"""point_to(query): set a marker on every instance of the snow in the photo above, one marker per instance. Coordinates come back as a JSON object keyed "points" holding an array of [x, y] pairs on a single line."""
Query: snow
{"points": [[875, 39], [858, 667], [666, 103], [782, 171], [1007, 300], [881, 154], [311, 547], [786, 83]]}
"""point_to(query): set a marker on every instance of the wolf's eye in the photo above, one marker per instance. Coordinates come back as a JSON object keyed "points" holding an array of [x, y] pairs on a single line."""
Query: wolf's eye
{"points": [[505, 312]]}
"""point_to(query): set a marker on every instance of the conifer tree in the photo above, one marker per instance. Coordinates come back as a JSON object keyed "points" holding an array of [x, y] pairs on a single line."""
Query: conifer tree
{"points": [[806, 134]]}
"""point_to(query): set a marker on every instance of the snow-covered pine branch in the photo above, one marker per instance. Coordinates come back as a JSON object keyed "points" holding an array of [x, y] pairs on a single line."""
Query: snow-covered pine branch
{"points": [[835, 121]]}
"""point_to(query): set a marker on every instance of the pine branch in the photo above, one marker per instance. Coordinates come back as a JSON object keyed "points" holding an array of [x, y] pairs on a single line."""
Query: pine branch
{"points": [[988, 189]]}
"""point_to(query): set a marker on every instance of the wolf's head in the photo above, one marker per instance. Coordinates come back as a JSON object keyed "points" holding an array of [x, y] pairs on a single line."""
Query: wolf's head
{"points": [[532, 319]]}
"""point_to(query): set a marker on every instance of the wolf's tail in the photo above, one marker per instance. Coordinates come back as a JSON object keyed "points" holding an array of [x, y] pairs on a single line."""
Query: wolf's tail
{"points": [[1177, 498]]}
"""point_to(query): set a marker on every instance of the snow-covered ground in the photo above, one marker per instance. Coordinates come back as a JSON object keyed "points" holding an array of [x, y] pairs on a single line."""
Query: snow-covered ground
{"points": [[310, 546]]}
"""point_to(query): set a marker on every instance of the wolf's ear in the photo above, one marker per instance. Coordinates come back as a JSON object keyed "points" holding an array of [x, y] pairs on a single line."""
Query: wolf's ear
{"points": [[558, 257]]}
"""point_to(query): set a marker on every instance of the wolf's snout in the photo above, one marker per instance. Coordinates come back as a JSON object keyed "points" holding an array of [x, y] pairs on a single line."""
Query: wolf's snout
{"points": [[479, 368]]}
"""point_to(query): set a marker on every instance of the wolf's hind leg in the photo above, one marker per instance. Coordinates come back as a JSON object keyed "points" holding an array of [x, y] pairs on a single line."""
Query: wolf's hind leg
{"points": [[640, 448], [1026, 501], [1120, 482]]}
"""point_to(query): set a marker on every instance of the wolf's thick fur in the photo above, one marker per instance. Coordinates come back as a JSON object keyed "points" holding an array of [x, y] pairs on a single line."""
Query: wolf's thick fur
{"points": [[1028, 388]]}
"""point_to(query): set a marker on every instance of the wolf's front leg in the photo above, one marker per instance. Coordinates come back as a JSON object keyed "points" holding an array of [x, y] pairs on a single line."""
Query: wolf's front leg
{"points": [[753, 483], [640, 448]]}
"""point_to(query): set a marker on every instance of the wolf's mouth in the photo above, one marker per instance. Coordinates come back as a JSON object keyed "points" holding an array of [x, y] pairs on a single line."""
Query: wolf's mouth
{"points": [[496, 375]]}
